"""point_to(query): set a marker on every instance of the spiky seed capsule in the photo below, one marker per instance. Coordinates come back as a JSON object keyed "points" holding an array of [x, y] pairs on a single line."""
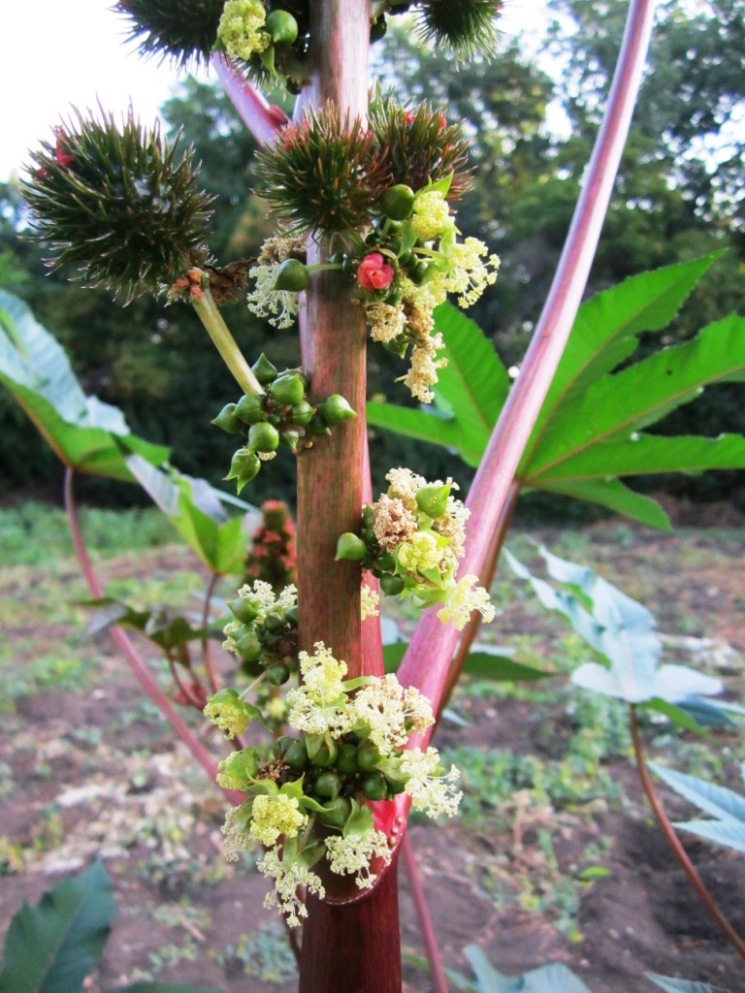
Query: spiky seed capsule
{"points": [[118, 205], [170, 29], [464, 29], [264, 370], [323, 174]]}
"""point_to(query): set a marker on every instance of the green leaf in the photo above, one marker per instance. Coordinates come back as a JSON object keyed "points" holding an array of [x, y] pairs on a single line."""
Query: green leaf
{"points": [[162, 626], [86, 434], [671, 985], [551, 978], [432, 427], [677, 715], [616, 406], [51, 947], [612, 493], [501, 668], [726, 806], [393, 653]]}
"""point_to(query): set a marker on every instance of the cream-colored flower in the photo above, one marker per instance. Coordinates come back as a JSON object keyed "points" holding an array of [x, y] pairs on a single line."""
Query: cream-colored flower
{"points": [[369, 603], [466, 597], [386, 322], [241, 28], [275, 816], [288, 877], [420, 553], [393, 521], [390, 712], [355, 854], [430, 791], [318, 706], [236, 836], [471, 270], [431, 216]]}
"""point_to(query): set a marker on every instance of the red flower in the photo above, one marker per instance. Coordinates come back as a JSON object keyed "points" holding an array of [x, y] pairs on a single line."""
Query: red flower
{"points": [[375, 274]]}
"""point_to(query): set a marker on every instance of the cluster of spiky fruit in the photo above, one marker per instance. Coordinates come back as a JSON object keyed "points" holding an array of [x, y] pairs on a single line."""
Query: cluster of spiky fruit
{"points": [[272, 555], [281, 415]]}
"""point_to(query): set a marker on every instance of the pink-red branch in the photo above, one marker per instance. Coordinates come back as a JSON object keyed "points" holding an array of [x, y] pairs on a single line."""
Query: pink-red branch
{"points": [[262, 119], [430, 653]]}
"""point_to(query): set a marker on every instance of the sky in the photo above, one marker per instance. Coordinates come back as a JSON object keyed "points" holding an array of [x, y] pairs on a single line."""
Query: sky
{"points": [[60, 54]]}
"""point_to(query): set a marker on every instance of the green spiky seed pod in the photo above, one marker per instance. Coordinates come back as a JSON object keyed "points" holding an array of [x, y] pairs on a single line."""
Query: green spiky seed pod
{"points": [[167, 29], [264, 370], [244, 609], [465, 29], [335, 410], [420, 147], [228, 420], [323, 174], [244, 466], [433, 500], [118, 205]]}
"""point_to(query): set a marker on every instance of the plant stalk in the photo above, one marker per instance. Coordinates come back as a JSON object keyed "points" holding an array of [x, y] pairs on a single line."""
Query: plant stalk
{"points": [[429, 656], [210, 316], [120, 638], [262, 119], [414, 878], [671, 837]]}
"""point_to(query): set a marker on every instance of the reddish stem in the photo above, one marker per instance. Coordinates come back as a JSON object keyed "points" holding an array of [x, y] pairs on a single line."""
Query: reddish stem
{"points": [[671, 837], [207, 659], [426, 928], [428, 659], [261, 118], [141, 672]]}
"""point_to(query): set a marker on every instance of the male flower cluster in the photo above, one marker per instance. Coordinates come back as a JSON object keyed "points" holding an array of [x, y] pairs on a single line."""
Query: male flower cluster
{"points": [[412, 539], [307, 793]]}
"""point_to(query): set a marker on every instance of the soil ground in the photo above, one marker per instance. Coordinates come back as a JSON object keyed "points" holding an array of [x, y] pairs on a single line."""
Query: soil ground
{"points": [[566, 866]]}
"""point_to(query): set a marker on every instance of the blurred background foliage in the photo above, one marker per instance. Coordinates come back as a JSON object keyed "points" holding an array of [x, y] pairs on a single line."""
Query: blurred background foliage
{"points": [[531, 119]]}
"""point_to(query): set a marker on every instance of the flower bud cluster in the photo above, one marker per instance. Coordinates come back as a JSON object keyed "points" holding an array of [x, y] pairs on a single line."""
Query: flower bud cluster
{"points": [[263, 632], [411, 540], [281, 415], [307, 794], [272, 556]]}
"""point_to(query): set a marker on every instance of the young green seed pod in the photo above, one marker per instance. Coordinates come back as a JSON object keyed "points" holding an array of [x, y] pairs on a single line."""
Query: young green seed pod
{"points": [[336, 410], [263, 437], [291, 616], [326, 754], [249, 647], [350, 548], [282, 26], [398, 202], [244, 609], [391, 585], [368, 756], [293, 440], [292, 276], [302, 413], [328, 785], [287, 389], [385, 562], [228, 420], [295, 755], [250, 409], [277, 675], [375, 787], [274, 621], [264, 370], [336, 813], [244, 466], [368, 516], [433, 500], [346, 761]]}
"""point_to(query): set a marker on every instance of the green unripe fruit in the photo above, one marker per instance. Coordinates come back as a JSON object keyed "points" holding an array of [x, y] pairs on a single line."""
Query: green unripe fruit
{"points": [[249, 647], [264, 370], [263, 437], [244, 466], [328, 785], [228, 420], [291, 616], [433, 500], [274, 621], [350, 548], [302, 413], [288, 389], [398, 202], [326, 754], [346, 761], [375, 787], [250, 409], [336, 410], [282, 26], [368, 516], [378, 29], [277, 675], [292, 439], [368, 756], [295, 755], [385, 562], [245, 609], [336, 813], [391, 585], [419, 273], [292, 276]]}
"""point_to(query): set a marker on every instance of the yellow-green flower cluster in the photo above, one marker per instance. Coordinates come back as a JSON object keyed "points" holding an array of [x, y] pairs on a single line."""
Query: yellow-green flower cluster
{"points": [[241, 30], [278, 307]]}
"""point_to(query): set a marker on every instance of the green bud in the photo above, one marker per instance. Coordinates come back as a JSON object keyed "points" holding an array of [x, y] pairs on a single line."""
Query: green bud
{"points": [[274, 621], [350, 548], [249, 647], [368, 756], [368, 516], [302, 413], [250, 409], [419, 273], [292, 276], [244, 609], [282, 26], [228, 420], [336, 813], [244, 466], [264, 370], [263, 438], [375, 787], [336, 410], [288, 389], [391, 585], [433, 500], [277, 675], [291, 616], [328, 785], [292, 439], [295, 754], [322, 753], [385, 562], [346, 761], [398, 202]]}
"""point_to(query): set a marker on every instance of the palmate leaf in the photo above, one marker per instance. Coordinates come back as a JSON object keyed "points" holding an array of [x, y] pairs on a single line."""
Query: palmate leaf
{"points": [[588, 433], [622, 632], [86, 434], [551, 978], [671, 985], [51, 947], [724, 805]]}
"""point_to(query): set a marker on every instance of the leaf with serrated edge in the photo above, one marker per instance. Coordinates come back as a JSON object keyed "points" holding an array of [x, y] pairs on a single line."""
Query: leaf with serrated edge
{"points": [[671, 985], [718, 801]]}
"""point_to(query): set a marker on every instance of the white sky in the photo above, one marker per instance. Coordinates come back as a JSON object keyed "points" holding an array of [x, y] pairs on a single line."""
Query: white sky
{"points": [[58, 54]]}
